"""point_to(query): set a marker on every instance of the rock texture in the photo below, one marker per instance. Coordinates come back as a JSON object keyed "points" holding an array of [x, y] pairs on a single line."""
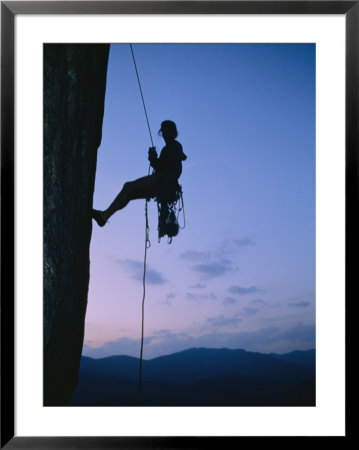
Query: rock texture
{"points": [[74, 93]]}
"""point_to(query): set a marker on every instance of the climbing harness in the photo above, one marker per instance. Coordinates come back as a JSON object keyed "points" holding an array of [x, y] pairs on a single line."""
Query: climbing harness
{"points": [[169, 195]]}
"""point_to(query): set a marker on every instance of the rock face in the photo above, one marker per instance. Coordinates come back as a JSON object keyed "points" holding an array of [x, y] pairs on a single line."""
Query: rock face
{"points": [[74, 94]]}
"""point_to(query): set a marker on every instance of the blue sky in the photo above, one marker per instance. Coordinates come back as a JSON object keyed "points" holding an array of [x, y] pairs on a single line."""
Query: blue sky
{"points": [[242, 272]]}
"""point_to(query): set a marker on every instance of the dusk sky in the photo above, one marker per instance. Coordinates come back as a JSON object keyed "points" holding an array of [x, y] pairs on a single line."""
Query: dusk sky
{"points": [[242, 272]]}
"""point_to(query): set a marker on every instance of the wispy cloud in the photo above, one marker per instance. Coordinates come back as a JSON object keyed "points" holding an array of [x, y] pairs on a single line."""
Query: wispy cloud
{"points": [[239, 290], [248, 311], [266, 340], [198, 286], [192, 255], [300, 304], [214, 269], [135, 269], [221, 320], [230, 247], [218, 261], [169, 297], [258, 302], [210, 296], [121, 346], [229, 301]]}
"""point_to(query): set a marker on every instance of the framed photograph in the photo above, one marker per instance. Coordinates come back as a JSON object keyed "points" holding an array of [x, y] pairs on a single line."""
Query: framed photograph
{"points": [[179, 184]]}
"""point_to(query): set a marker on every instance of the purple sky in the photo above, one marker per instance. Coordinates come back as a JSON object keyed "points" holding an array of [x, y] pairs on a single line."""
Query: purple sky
{"points": [[242, 272]]}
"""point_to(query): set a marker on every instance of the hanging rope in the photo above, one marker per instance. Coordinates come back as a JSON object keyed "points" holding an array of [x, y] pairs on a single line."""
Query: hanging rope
{"points": [[147, 245], [147, 239], [181, 208], [143, 100]]}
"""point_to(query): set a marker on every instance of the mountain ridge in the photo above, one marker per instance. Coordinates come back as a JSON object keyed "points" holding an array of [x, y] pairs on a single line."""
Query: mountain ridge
{"points": [[209, 349], [200, 377]]}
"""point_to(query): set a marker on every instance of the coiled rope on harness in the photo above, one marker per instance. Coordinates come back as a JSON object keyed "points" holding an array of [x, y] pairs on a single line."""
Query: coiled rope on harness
{"points": [[147, 239]]}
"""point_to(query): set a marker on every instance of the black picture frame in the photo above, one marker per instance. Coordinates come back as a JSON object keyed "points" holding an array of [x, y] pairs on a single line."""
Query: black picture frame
{"points": [[9, 9]]}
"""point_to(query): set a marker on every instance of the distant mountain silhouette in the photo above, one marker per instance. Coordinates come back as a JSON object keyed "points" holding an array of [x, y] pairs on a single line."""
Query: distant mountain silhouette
{"points": [[299, 358], [200, 377]]}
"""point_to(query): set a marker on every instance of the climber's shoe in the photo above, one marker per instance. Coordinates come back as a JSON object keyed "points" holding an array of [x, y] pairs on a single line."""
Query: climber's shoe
{"points": [[99, 217]]}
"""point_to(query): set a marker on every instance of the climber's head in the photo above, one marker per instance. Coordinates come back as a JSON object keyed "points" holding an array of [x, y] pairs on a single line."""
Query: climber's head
{"points": [[168, 130]]}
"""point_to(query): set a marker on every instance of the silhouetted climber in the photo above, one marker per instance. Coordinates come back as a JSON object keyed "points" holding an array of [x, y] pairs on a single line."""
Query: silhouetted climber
{"points": [[162, 184]]}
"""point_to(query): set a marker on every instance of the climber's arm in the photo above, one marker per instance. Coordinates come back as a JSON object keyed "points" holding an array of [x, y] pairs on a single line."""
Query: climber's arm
{"points": [[153, 158]]}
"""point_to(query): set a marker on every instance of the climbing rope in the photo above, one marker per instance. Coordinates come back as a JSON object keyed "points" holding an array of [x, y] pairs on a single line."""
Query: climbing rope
{"points": [[147, 246], [147, 238], [143, 100], [181, 208]]}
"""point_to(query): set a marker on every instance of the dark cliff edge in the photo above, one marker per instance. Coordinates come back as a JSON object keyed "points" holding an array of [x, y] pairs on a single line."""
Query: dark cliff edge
{"points": [[74, 95]]}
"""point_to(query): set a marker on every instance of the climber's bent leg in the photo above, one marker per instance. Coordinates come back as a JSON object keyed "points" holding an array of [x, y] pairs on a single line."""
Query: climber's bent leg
{"points": [[145, 187]]}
